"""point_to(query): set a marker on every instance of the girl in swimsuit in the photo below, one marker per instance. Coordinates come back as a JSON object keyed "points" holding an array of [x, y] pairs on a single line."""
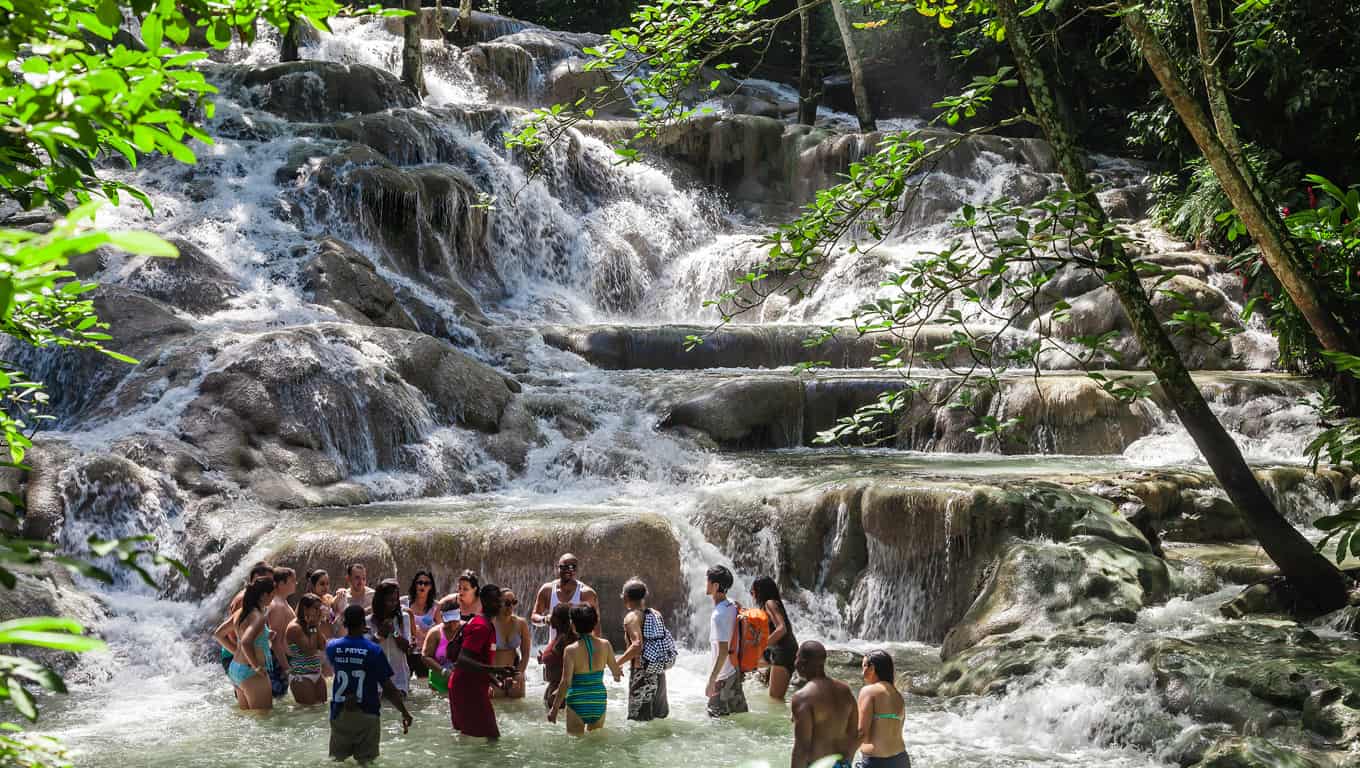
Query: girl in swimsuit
{"points": [[583, 664], [880, 716], [551, 656], [512, 645], [783, 645], [251, 657], [440, 650], [307, 636]]}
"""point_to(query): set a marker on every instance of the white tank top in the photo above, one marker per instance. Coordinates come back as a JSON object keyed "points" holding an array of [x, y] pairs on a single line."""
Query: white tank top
{"points": [[553, 602]]}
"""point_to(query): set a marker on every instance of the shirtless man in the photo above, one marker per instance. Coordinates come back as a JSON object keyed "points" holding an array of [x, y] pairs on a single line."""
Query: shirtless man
{"points": [[358, 593], [564, 589], [280, 616], [825, 715]]}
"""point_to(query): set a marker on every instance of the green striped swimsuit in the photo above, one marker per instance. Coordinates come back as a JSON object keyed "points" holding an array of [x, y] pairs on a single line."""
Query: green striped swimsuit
{"points": [[586, 696]]}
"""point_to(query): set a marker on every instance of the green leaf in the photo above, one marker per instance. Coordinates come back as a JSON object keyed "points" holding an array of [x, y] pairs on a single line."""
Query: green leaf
{"points": [[143, 244]]}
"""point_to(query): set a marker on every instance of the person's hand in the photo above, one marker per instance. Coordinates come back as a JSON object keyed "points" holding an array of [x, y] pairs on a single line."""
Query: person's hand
{"points": [[552, 714], [618, 675], [406, 721], [712, 689]]}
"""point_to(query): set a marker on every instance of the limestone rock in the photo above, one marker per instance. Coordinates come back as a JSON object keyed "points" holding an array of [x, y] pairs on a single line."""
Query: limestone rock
{"points": [[342, 278], [316, 91], [1255, 752], [193, 282], [570, 81], [49, 591]]}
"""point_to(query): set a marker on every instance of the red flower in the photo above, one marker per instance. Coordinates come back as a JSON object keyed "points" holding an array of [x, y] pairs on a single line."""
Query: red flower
{"points": [[1312, 198], [1285, 210]]}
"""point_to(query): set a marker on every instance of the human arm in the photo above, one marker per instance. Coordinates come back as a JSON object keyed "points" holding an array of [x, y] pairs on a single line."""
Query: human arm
{"points": [[526, 641], [632, 632], [278, 644], [568, 670], [539, 616], [429, 651], [402, 633], [866, 715], [718, 661], [802, 732], [589, 597], [851, 740], [780, 620], [610, 661], [246, 647], [225, 634], [393, 695]]}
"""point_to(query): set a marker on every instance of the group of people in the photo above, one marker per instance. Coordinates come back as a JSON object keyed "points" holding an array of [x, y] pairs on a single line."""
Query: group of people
{"points": [[471, 646]]}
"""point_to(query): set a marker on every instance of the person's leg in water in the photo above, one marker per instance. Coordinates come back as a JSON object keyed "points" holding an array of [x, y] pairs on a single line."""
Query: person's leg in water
{"points": [[258, 692], [575, 726], [779, 682]]}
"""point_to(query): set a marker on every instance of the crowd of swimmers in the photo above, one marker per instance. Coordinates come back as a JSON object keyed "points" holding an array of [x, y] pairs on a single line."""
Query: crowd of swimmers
{"points": [[359, 644]]}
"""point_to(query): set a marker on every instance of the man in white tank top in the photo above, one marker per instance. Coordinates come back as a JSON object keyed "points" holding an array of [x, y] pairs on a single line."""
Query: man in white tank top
{"points": [[564, 589]]}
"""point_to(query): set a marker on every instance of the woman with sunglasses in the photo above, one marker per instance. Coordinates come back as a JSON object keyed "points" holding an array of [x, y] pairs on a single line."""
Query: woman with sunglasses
{"points": [[421, 603], [512, 645]]}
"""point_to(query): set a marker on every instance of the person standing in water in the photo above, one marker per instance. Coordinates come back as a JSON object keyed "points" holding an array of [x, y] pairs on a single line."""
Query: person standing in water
{"points": [[319, 584], [441, 646], [469, 588], [307, 636], [422, 601], [357, 593], [280, 616], [362, 672], [564, 589], [881, 709], [474, 674], [246, 635], [390, 628], [783, 648], [651, 650], [825, 716], [512, 645], [725, 696], [551, 656], [225, 653], [583, 667]]}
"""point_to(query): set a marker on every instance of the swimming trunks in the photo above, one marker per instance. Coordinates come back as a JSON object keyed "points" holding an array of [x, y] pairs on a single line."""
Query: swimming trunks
{"points": [[899, 760], [586, 696], [731, 699]]}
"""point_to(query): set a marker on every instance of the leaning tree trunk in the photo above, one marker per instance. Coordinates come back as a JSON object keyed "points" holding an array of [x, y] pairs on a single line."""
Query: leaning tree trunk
{"points": [[1308, 570], [1210, 52], [807, 89], [288, 45], [1262, 223], [412, 62], [863, 109], [465, 20]]}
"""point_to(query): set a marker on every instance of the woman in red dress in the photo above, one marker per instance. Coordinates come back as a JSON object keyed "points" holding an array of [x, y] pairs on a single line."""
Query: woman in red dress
{"points": [[473, 675]]}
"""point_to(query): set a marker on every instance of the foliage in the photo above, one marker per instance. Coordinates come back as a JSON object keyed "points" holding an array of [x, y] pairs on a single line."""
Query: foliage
{"points": [[570, 15], [1340, 444], [1191, 204]]}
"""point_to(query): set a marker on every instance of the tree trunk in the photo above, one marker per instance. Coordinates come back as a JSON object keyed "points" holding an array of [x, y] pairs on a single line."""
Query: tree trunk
{"points": [[1308, 570], [1262, 223], [288, 44], [412, 62], [863, 109], [1210, 51], [465, 20], [807, 88]]}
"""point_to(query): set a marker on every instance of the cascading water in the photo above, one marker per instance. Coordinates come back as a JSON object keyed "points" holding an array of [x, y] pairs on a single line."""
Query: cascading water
{"points": [[300, 411]]}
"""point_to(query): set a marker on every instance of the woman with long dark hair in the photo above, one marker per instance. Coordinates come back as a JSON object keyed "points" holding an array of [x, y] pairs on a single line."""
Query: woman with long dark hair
{"points": [[469, 588], [881, 709], [512, 644], [390, 627], [307, 636], [251, 656], [474, 674], [422, 602], [783, 648]]}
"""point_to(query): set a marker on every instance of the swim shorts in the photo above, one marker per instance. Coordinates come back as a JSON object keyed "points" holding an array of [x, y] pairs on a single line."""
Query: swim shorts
{"points": [[731, 699], [355, 734]]}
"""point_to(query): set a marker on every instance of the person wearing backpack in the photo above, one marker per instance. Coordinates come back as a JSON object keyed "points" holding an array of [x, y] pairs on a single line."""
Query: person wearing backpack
{"points": [[651, 651]]}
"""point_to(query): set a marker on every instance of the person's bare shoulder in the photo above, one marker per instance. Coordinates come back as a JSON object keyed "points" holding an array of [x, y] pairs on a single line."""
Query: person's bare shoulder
{"points": [[588, 592]]}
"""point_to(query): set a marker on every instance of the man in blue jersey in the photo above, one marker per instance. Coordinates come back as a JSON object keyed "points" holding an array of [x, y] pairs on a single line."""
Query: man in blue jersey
{"points": [[362, 677]]}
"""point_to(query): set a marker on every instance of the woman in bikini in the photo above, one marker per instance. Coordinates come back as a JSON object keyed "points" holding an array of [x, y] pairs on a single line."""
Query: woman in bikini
{"points": [[512, 645], [421, 601], [583, 665], [251, 657], [306, 637], [441, 646], [881, 708], [783, 647]]}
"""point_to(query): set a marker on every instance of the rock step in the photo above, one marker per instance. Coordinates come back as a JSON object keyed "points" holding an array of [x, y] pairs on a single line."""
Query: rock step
{"points": [[1065, 413]]}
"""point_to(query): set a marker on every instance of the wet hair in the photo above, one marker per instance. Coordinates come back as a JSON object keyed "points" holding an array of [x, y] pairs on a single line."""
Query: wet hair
{"points": [[765, 589], [260, 569], [719, 575], [584, 618], [349, 569], [412, 594], [635, 589], [307, 601], [470, 576], [489, 594], [882, 664], [385, 588], [250, 600], [315, 576], [284, 573], [560, 618]]}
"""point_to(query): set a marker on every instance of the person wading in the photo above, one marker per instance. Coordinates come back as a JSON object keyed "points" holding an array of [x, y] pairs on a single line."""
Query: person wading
{"points": [[362, 672], [783, 647], [357, 593], [564, 589], [246, 635], [825, 716], [473, 673], [582, 689], [442, 644], [880, 716], [512, 645], [280, 616], [725, 696], [307, 636], [651, 651]]}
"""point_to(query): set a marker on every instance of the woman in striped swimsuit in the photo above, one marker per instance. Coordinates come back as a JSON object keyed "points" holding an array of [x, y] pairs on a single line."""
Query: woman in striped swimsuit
{"points": [[306, 637], [584, 665]]}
